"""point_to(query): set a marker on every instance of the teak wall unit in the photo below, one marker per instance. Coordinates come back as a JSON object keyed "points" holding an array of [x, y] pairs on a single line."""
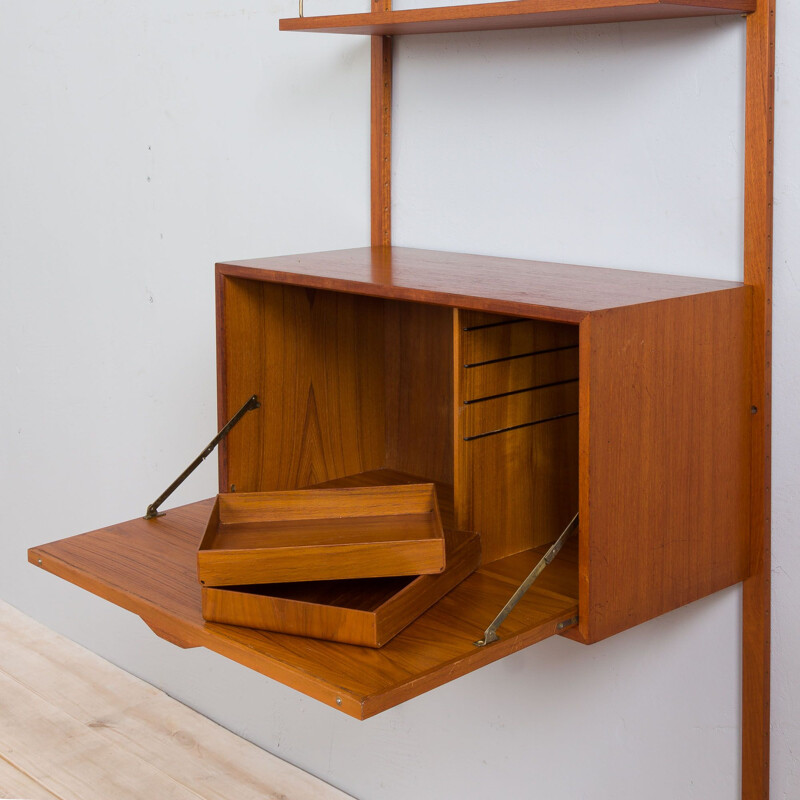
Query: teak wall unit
{"points": [[523, 390]]}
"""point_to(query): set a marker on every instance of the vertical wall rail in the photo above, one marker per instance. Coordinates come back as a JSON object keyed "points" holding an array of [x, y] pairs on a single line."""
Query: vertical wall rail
{"points": [[381, 134], [759, 128]]}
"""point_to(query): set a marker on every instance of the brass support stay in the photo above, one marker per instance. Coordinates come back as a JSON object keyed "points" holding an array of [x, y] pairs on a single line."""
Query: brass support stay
{"points": [[490, 634], [152, 509]]}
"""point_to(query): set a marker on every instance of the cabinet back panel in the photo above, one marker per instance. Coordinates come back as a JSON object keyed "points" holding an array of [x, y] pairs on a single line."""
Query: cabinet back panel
{"points": [[419, 390], [316, 360]]}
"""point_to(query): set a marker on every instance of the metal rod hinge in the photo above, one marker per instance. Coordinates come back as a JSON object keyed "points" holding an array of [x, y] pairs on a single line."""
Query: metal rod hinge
{"points": [[490, 634], [152, 509]]}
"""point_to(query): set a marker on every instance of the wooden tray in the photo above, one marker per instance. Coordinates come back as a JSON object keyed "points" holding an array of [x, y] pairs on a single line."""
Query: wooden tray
{"points": [[365, 612], [322, 534]]}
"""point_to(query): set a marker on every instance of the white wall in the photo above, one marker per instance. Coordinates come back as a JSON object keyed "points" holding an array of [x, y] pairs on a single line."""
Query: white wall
{"points": [[142, 141]]}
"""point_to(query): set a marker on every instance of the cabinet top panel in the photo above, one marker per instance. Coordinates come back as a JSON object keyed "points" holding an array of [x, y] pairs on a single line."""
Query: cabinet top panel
{"points": [[557, 292], [515, 14]]}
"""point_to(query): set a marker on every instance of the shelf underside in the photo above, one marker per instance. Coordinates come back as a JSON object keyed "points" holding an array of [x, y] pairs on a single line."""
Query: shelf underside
{"points": [[515, 14], [149, 567], [547, 291]]}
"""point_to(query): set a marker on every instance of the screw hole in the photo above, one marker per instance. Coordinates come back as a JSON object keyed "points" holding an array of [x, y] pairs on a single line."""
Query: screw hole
{"points": [[753, 410]]}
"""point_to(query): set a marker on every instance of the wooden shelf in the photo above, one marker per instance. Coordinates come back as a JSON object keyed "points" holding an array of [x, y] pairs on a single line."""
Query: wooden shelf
{"points": [[547, 291], [516, 14], [149, 567]]}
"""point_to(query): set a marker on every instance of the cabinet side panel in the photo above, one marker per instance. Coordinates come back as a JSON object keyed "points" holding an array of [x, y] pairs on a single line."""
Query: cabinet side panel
{"points": [[239, 375], [220, 282], [419, 390], [665, 507], [316, 361]]}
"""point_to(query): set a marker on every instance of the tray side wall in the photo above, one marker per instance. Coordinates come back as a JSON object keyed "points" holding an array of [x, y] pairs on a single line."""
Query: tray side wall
{"points": [[321, 504], [346, 625], [322, 563]]}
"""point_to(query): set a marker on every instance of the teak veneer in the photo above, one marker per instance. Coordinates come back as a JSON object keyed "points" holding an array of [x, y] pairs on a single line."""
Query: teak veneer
{"points": [[638, 416], [321, 535], [148, 567], [367, 612], [539, 289], [514, 14]]}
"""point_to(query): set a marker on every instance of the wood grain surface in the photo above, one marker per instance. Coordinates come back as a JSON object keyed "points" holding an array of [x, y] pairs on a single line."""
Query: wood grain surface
{"points": [[665, 457], [148, 567], [347, 384], [756, 598], [75, 727], [517, 14], [519, 374], [487, 337], [419, 390], [516, 482], [498, 414], [381, 134], [554, 292], [367, 612], [315, 360], [519, 488], [322, 534]]}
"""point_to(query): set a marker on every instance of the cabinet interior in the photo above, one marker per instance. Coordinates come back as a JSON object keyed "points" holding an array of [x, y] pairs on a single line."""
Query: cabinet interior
{"points": [[483, 405]]}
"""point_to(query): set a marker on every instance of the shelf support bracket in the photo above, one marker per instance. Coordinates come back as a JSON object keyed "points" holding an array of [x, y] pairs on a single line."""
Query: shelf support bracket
{"points": [[490, 634], [152, 509]]}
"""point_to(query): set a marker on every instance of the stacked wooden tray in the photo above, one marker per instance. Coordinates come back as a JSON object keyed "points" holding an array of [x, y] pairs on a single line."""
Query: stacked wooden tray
{"points": [[353, 565]]}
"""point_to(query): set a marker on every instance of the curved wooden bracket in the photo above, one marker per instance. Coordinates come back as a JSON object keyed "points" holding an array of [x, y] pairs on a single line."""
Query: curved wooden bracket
{"points": [[169, 636]]}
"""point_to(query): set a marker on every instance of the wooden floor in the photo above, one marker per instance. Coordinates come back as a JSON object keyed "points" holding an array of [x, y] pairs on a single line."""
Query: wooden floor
{"points": [[74, 727]]}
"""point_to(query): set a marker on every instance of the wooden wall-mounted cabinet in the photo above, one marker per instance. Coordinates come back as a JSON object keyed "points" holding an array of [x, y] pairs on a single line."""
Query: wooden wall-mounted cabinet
{"points": [[636, 412], [525, 391]]}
